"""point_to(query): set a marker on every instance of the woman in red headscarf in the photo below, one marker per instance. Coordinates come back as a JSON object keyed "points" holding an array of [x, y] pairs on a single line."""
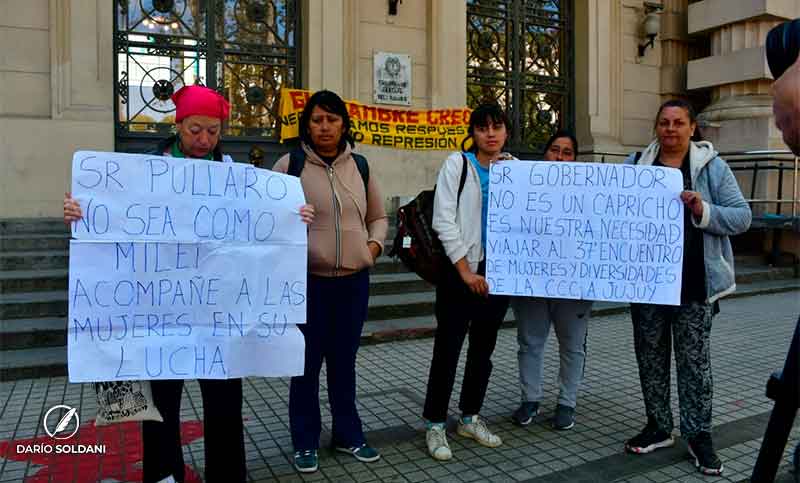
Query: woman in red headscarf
{"points": [[199, 115]]}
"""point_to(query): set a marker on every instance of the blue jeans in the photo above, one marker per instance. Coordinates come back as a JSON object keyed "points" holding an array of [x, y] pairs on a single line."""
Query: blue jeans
{"points": [[337, 308]]}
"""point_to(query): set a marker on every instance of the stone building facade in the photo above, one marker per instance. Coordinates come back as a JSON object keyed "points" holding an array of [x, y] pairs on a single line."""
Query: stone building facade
{"points": [[60, 85]]}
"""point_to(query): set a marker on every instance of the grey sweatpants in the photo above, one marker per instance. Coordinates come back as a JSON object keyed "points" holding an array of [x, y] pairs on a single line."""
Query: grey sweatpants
{"points": [[534, 316]]}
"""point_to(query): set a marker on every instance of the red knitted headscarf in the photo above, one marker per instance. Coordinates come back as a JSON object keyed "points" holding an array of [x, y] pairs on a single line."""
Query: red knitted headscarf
{"points": [[200, 101]]}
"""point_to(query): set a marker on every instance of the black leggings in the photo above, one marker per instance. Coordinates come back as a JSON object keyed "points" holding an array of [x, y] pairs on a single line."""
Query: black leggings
{"points": [[222, 426]]}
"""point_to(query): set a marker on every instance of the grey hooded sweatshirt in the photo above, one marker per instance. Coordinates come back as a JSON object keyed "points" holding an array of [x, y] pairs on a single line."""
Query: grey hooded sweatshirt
{"points": [[725, 212]]}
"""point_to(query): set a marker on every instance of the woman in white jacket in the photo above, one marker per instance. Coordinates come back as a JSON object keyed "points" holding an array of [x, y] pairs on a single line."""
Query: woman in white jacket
{"points": [[463, 303]]}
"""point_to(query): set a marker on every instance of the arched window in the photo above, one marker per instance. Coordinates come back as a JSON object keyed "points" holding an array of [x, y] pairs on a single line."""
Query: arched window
{"points": [[246, 49], [519, 54]]}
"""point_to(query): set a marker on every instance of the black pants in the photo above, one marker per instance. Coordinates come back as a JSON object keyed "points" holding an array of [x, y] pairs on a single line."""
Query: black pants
{"points": [[459, 311], [222, 426]]}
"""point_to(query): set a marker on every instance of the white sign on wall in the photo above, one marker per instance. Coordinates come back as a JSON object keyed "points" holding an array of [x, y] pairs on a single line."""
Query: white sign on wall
{"points": [[392, 83]]}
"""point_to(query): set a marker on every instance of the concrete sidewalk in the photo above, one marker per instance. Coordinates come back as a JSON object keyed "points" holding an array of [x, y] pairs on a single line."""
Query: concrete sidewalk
{"points": [[749, 341]]}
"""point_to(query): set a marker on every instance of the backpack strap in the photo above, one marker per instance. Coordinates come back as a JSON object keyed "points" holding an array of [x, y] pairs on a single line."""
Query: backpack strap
{"points": [[363, 169], [463, 177], [297, 161]]}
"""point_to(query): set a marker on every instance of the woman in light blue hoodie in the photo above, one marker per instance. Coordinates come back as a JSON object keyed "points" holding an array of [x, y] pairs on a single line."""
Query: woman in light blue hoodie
{"points": [[714, 209]]}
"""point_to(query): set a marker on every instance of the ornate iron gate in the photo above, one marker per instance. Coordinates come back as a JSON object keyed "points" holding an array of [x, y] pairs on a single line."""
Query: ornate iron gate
{"points": [[246, 49], [519, 54]]}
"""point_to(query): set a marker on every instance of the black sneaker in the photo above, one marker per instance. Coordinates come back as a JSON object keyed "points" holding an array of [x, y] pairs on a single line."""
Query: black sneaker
{"points": [[565, 417], [705, 458], [525, 414], [649, 440]]}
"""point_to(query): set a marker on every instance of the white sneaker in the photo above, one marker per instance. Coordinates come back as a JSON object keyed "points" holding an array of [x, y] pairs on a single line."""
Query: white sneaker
{"points": [[478, 431], [436, 437]]}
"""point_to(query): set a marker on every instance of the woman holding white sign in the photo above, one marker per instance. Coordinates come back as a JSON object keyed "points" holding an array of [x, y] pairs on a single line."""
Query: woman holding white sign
{"points": [[343, 243], [714, 209], [568, 317], [200, 113], [463, 303]]}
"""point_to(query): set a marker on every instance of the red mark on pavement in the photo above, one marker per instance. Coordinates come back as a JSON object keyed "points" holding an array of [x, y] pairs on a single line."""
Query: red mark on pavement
{"points": [[122, 460]]}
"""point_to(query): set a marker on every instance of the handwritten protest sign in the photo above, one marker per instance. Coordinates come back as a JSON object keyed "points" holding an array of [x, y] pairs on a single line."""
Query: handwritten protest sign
{"points": [[585, 231], [179, 296], [154, 198]]}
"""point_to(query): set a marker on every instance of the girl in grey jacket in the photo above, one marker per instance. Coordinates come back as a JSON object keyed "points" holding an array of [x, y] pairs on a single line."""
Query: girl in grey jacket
{"points": [[714, 210]]}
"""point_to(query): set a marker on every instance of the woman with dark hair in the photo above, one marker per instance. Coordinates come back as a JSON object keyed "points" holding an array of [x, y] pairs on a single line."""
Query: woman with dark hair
{"points": [[714, 209], [463, 303], [346, 237], [569, 318]]}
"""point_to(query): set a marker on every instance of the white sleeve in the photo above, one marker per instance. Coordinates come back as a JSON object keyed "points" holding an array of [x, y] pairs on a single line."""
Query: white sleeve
{"points": [[445, 208]]}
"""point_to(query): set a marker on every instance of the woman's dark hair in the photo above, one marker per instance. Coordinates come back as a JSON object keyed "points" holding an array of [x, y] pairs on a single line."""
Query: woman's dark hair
{"points": [[330, 102], [562, 133], [686, 105], [481, 117]]}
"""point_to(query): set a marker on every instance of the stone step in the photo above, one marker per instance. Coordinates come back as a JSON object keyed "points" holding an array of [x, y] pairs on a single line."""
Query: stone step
{"points": [[397, 283], [33, 305], [386, 264], [20, 226], [15, 281], [40, 361], [51, 361], [397, 306], [379, 331], [33, 333], [34, 242], [747, 272], [33, 363], [394, 285], [34, 260]]}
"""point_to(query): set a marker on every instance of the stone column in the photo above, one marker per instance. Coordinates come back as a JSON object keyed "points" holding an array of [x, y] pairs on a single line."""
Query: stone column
{"points": [[737, 72], [674, 49], [448, 51], [323, 43], [81, 60], [740, 113], [598, 75]]}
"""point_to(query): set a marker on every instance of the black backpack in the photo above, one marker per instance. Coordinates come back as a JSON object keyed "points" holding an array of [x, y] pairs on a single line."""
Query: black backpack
{"points": [[416, 243], [297, 161]]}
